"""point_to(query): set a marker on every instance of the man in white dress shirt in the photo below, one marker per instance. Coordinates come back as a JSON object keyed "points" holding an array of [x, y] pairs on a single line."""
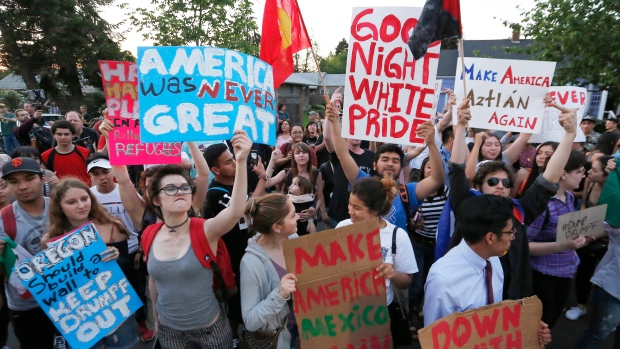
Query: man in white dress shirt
{"points": [[470, 275]]}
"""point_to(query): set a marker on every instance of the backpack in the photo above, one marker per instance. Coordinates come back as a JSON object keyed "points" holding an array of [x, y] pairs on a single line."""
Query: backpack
{"points": [[224, 285], [404, 197], [50, 158], [41, 138], [8, 221]]}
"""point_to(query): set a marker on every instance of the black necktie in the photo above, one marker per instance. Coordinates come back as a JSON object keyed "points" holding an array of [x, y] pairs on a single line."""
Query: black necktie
{"points": [[488, 277]]}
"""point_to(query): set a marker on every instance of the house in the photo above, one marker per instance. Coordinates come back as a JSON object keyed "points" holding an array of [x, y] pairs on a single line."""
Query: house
{"points": [[303, 89]]}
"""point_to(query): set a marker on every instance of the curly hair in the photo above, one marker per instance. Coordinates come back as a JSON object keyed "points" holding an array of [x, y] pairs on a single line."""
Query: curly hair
{"points": [[59, 223]]}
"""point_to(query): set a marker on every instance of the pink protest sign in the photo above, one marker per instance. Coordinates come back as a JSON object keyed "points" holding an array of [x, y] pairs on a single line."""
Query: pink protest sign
{"points": [[120, 86], [125, 147]]}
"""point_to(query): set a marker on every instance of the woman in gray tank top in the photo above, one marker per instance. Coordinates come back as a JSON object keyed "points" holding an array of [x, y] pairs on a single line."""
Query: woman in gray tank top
{"points": [[187, 314], [266, 302]]}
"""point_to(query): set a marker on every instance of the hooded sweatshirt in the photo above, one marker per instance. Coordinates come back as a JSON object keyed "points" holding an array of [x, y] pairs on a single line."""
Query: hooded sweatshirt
{"points": [[261, 304]]}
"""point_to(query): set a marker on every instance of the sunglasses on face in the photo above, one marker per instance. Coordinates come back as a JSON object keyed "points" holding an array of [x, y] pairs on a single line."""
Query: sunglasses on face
{"points": [[506, 182]]}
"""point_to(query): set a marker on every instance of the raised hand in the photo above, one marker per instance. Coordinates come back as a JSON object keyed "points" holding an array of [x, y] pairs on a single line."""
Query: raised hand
{"points": [[242, 144]]}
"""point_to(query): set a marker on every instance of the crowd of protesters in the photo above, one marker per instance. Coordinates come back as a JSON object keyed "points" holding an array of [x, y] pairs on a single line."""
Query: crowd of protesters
{"points": [[467, 201]]}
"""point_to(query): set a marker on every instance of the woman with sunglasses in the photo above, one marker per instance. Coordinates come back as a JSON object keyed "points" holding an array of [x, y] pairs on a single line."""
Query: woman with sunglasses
{"points": [[555, 264], [186, 311], [497, 178]]}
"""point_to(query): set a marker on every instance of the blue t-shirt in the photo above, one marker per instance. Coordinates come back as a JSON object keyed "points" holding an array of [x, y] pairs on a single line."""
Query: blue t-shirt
{"points": [[397, 215]]}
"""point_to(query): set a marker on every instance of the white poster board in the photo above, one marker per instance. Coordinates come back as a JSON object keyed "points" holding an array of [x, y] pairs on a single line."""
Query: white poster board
{"points": [[388, 94], [506, 95], [570, 97]]}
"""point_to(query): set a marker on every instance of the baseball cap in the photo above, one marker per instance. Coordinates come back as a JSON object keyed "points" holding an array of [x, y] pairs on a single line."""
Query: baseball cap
{"points": [[2, 105], [103, 163], [312, 113], [588, 118], [21, 165]]}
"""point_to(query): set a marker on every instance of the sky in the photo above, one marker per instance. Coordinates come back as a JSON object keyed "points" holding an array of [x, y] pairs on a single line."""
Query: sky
{"points": [[328, 21]]}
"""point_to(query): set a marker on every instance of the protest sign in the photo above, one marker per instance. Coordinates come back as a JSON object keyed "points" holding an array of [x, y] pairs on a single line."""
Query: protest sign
{"points": [[125, 148], [505, 94], [338, 303], [120, 87], [204, 94], [570, 97], [85, 298], [388, 94], [584, 222], [508, 324]]}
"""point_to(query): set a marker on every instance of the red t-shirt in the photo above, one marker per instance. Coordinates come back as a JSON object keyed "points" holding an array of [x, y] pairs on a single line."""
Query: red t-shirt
{"points": [[285, 148], [70, 164]]}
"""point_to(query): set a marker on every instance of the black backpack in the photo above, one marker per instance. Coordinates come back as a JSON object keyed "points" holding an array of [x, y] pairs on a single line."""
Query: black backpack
{"points": [[41, 138]]}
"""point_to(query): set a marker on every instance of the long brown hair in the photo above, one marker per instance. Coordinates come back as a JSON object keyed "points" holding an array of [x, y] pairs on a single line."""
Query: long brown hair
{"points": [[59, 224], [303, 147], [265, 211]]}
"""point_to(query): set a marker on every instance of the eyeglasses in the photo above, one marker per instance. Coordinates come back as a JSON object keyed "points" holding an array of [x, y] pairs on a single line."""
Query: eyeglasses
{"points": [[506, 182], [512, 232], [172, 190], [297, 133]]}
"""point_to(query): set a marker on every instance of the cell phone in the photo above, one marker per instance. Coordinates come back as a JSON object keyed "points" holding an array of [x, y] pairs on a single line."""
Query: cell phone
{"points": [[38, 107], [253, 159], [417, 217]]}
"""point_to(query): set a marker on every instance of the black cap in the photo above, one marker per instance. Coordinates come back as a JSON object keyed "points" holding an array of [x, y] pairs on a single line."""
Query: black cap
{"points": [[21, 165], [588, 118]]}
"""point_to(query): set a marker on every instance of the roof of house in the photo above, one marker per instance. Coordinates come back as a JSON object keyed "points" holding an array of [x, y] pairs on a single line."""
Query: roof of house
{"points": [[312, 79], [15, 82], [480, 48]]}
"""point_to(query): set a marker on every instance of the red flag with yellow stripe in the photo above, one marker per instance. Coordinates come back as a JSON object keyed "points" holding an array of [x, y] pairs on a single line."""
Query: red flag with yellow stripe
{"points": [[283, 35]]}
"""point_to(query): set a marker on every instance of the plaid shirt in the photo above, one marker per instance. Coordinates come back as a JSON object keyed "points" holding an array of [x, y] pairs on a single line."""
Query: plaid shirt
{"points": [[561, 264]]}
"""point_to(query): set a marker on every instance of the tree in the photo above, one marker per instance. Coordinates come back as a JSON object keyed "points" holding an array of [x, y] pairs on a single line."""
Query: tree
{"points": [[583, 36], [303, 60], [59, 40], [223, 23], [336, 61]]}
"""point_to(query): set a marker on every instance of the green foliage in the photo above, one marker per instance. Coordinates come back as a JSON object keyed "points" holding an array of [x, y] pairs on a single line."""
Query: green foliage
{"points": [[223, 23], [583, 36], [336, 62], [11, 98], [60, 40]]}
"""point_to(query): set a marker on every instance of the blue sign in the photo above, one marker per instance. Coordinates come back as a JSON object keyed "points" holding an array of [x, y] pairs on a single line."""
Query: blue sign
{"points": [[84, 297], [204, 94]]}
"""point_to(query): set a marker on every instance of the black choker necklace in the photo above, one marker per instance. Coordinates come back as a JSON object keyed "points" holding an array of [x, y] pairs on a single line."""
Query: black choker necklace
{"points": [[172, 228]]}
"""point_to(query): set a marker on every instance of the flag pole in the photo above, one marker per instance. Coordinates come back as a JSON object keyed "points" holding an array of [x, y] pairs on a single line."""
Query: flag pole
{"points": [[316, 61], [462, 52]]}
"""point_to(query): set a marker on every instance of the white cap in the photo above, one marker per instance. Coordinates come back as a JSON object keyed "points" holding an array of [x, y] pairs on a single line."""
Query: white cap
{"points": [[103, 163]]}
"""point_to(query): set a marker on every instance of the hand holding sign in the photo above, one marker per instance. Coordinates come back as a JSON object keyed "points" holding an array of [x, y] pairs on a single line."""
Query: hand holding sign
{"points": [[331, 113], [576, 243], [106, 127], [463, 112], [287, 285], [241, 144], [386, 271], [427, 131]]}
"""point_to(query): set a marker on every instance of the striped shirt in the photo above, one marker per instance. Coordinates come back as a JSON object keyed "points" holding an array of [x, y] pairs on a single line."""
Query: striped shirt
{"points": [[430, 210]]}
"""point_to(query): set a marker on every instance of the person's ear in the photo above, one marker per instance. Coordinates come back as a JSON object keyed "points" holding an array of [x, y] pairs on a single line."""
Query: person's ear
{"points": [[563, 175], [490, 238], [276, 228], [374, 165], [215, 170]]}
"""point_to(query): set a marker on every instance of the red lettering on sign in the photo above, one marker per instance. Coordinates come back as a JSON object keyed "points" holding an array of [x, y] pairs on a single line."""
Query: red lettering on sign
{"points": [[211, 90], [511, 317], [230, 92], [459, 337], [441, 329], [487, 325], [353, 244]]}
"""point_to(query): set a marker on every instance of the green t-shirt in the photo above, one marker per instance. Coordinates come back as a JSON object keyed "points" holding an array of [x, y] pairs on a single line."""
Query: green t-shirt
{"points": [[7, 126]]}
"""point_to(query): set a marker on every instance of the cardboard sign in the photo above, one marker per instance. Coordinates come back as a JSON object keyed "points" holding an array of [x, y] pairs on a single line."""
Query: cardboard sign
{"points": [[505, 94], [120, 86], [85, 298], [338, 303], [508, 324], [584, 222], [388, 94], [125, 148], [570, 97], [204, 94]]}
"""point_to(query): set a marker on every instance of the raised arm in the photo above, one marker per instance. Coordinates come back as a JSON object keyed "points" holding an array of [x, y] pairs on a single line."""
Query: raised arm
{"points": [[222, 223], [201, 182], [447, 116], [327, 127], [436, 180], [513, 153], [459, 150], [555, 167], [472, 160], [351, 170], [412, 153]]}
